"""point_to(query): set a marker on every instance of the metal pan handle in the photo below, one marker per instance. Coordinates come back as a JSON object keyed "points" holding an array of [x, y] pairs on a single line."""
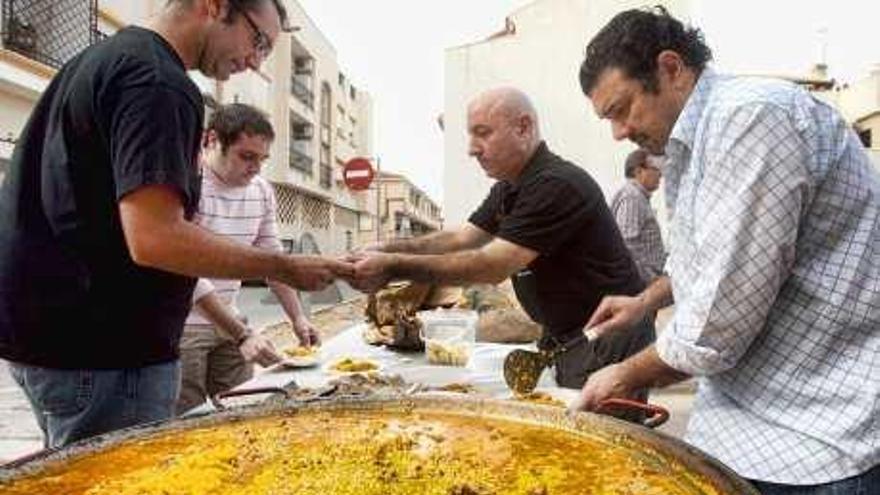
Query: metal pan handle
{"points": [[657, 415], [218, 398]]}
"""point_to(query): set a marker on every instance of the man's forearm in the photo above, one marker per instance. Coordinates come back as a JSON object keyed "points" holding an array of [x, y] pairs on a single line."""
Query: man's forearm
{"points": [[465, 267], [158, 236], [289, 300], [433, 243], [186, 249], [658, 295], [225, 323], [647, 370]]}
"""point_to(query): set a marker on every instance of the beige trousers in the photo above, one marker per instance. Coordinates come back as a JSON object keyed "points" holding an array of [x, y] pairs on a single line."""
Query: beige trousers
{"points": [[209, 365]]}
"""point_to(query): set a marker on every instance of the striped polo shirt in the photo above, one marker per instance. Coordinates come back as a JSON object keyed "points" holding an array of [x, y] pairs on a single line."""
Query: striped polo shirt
{"points": [[244, 214]]}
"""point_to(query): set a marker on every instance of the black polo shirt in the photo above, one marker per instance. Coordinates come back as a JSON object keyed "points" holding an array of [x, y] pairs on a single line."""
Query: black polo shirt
{"points": [[121, 115], [556, 209]]}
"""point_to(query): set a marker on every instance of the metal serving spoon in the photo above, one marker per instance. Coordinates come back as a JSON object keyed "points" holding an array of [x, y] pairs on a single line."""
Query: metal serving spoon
{"points": [[522, 368]]}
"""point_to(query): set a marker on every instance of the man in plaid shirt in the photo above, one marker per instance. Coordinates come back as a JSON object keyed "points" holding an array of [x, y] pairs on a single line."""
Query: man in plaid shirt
{"points": [[631, 207], [773, 263]]}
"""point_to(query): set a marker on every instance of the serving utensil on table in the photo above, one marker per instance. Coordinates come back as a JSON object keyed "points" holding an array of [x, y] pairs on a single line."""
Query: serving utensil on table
{"points": [[522, 368]]}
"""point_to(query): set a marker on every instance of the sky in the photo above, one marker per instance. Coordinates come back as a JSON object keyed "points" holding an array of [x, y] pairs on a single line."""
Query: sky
{"points": [[395, 50]]}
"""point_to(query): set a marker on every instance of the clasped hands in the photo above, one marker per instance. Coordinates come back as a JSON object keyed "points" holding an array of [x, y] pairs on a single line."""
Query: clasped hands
{"points": [[372, 269]]}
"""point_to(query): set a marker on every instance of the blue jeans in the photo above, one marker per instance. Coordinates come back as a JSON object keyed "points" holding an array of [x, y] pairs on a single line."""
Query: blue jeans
{"points": [[74, 404], [867, 483]]}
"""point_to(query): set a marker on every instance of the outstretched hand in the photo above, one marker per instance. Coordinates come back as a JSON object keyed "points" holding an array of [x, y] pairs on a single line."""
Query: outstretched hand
{"points": [[313, 273], [306, 333], [609, 382], [615, 313], [371, 270], [257, 348]]}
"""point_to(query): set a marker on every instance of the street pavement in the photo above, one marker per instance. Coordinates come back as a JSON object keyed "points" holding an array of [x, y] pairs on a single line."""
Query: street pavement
{"points": [[20, 435]]}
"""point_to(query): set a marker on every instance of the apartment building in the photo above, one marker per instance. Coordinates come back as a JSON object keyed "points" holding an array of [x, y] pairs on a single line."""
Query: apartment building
{"points": [[320, 116], [405, 210]]}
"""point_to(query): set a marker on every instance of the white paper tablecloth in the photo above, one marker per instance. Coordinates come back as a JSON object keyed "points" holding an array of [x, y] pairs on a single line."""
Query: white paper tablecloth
{"points": [[484, 369]]}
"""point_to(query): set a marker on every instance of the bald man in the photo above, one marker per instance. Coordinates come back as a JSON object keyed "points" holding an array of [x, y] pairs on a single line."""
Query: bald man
{"points": [[545, 224]]}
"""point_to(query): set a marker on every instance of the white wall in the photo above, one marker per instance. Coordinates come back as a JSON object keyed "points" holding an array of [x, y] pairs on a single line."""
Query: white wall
{"points": [[132, 11], [13, 116], [542, 58], [860, 98]]}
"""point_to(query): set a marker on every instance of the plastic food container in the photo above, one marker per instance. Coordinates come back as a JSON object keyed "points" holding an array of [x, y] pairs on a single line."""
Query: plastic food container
{"points": [[449, 335]]}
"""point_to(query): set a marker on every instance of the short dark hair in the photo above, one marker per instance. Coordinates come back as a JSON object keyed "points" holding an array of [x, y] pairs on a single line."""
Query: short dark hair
{"points": [[633, 39], [248, 5], [251, 5], [230, 121], [634, 161]]}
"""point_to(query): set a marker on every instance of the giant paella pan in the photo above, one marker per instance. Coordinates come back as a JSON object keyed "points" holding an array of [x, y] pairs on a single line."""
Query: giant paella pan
{"points": [[429, 444]]}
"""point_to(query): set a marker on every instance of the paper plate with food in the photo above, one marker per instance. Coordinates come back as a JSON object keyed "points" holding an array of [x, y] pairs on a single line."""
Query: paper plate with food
{"points": [[300, 356], [349, 365]]}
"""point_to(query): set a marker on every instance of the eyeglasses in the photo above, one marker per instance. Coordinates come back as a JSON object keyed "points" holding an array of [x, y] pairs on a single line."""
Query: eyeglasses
{"points": [[260, 39]]}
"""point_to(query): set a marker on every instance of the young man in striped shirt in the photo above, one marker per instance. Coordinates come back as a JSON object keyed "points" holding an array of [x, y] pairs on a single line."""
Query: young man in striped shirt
{"points": [[217, 349]]}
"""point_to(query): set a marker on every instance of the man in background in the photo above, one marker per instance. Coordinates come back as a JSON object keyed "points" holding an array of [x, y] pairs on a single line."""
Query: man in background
{"points": [[631, 207], [218, 348]]}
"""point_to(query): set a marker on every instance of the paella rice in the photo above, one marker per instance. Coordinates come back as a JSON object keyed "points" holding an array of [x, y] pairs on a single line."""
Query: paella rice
{"points": [[366, 453]]}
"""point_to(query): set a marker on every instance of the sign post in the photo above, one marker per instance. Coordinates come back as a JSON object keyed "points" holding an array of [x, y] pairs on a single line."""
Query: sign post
{"points": [[378, 193], [358, 174]]}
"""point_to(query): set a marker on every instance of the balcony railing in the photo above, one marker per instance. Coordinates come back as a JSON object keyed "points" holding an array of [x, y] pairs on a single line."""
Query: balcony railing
{"points": [[302, 92], [49, 31], [301, 161], [326, 176]]}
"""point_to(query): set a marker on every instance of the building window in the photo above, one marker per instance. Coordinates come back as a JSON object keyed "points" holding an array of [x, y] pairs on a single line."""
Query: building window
{"points": [[865, 137], [301, 79], [289, 246], [302, 131], [50, 32], [341, 80], [301, 91], [326, 104], [301, 161], [326, 178]]}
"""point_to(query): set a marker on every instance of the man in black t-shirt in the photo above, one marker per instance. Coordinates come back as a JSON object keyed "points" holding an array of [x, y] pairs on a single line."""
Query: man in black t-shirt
{"points": [[98, 258], [545, 224]]}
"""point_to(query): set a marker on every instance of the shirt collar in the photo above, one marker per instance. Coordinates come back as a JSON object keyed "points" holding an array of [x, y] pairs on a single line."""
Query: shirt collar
{"points": [[685, 128], [538, 160], [638, 185]]}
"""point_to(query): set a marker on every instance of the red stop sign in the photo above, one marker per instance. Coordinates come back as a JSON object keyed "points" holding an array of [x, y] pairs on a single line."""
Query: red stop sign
{"points": [[358, 174]]}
